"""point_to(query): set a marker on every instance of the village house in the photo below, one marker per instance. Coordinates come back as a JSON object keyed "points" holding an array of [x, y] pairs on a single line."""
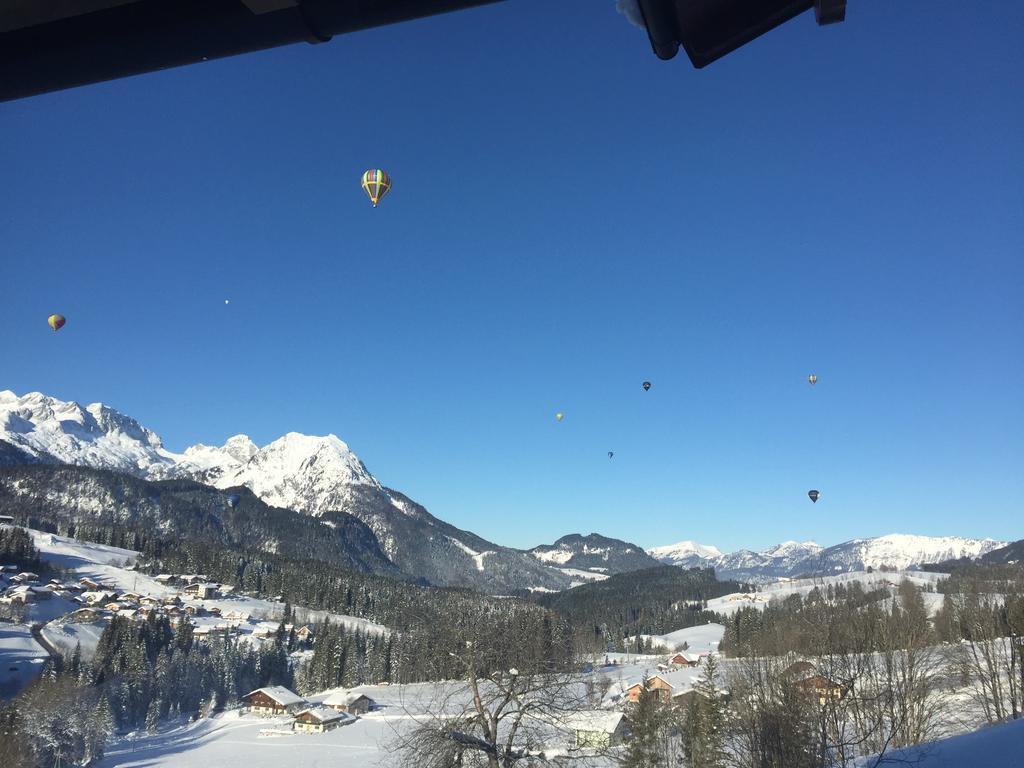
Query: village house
{"points": [[84, 616], [661, 687], [265, 630], [685, 659], [88, 583], [8, 569], [349, 701], [824, 689], [234, 615], [166, 579], [27, 576], [202, 590], [304, 634], [208, 633], [99, 597], [272, 700], [597, 729], [320, 719]]}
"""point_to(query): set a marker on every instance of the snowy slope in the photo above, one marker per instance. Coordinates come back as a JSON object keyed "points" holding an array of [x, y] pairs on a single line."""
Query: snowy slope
{"points": [[21, 659], [999, 746]]}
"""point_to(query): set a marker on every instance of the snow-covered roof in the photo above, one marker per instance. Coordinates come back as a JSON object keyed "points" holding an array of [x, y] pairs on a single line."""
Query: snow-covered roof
{"points": [[344, 698], [594, 720], [278, 693], [324, 715]]}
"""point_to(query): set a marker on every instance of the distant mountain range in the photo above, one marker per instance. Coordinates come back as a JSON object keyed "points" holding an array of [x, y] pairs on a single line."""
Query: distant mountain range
{"points": [[322, 478], [793, 558]]}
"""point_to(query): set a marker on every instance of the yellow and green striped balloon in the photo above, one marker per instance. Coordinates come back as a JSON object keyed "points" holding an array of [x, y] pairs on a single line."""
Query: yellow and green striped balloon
{"points": [[376, 184]]}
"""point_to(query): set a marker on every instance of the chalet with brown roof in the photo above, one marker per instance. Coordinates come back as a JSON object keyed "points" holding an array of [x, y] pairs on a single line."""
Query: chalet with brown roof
{"points": [[272, 700]]}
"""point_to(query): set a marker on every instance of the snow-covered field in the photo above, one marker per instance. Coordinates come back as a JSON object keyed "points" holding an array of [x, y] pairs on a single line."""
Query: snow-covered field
{"points": [[703, 639], [777, 590], [232, 739], [21, 658]]}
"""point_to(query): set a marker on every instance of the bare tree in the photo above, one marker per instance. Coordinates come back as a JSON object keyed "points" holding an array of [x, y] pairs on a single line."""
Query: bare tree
{"points": [[499, 718]]}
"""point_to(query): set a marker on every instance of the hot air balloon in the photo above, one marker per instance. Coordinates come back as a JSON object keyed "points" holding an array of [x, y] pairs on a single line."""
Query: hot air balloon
{"points": [[812, 379], [559, 416], [813, 495], [610, 454], [647, 386], [233, 500], [376, 184], [56, 322]]}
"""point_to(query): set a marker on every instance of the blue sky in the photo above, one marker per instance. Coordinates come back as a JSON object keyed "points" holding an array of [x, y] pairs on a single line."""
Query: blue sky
{"points": [[570, 216]]}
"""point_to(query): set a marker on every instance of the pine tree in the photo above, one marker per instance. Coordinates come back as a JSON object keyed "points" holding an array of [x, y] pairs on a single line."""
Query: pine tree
{"points": [[646, 724], [705, 725]]}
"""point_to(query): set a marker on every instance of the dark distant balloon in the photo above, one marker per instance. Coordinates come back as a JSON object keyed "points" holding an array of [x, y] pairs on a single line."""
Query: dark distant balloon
{"points": [[813, 495], [647, 386], [56, 322], [812, 379], [233, 500], [610, 454]]}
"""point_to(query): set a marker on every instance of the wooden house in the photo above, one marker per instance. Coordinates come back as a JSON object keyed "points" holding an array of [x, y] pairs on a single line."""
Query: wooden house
{"points": [[822, 688], [685, 659], [320, 719], [349, 701], [272, 700], [659, 685]]}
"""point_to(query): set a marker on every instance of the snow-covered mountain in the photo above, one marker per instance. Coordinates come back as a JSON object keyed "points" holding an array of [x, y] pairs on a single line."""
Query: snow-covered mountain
{"points": [[685, 554], [594, 553], [313, 475], [94, 435], [793, 558]]}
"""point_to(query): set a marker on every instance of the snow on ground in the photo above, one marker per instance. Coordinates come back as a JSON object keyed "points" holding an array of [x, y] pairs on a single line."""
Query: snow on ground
{"points": [[729, 604], [64, 636], [231, 739], [108, 565], [582, 577], [1000, 746], [701, 639], [21, 659], [559, 556]]}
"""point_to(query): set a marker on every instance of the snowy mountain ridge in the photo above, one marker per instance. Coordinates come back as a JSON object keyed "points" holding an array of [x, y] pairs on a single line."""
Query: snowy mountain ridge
{"points": [[307, 474], [899, 551]]}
